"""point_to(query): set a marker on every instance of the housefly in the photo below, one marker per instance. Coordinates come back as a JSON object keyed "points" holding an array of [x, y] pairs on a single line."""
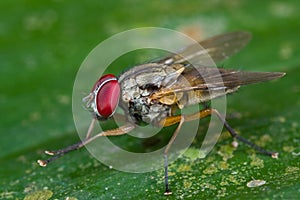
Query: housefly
{"points": [[151, 93]]}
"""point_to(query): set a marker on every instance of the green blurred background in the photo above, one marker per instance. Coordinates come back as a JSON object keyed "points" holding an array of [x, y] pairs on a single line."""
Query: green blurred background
{"points": [[43, 44]]}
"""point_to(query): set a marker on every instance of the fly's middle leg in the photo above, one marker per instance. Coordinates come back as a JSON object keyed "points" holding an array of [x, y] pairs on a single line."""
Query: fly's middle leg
{"points": [[166, 164]]}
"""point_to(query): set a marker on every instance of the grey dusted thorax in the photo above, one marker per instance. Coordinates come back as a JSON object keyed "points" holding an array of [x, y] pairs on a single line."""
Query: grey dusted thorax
{"points": [[138, 84]]}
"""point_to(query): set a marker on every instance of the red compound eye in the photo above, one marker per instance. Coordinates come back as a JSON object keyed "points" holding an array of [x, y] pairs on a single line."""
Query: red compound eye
{"points": [[107, 93]]}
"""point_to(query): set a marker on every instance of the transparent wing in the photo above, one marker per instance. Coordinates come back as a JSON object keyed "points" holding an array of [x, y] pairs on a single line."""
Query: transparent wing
{"points": [[208, 78], [217, 48], [206, 83]]}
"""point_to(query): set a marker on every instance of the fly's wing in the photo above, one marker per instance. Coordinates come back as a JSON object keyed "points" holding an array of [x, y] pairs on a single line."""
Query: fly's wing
{"points": [[214, 78], [196, 85], [217, 48]]}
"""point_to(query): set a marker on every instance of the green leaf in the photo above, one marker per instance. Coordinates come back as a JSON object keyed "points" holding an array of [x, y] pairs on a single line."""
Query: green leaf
{"points": [[43, 44]]}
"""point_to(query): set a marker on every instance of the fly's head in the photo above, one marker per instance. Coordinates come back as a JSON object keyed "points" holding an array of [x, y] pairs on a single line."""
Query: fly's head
{"points": [[104, 97]]}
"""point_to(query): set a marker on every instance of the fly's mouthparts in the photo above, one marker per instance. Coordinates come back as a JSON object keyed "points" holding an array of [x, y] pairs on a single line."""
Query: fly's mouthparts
{"points": [[88, 100]]}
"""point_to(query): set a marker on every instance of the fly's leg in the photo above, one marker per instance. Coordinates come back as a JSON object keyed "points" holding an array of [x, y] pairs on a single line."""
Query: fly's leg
{"points": [[117, 116], [91, 127], [171, 121], [74, 146], [166, 164], [242, 139], [58, 153], [210, 111], [200, 115]]}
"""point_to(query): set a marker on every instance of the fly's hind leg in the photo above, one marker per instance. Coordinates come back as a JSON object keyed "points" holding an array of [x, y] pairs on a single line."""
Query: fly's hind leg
{"points": [[180, 119], [210, 111]]}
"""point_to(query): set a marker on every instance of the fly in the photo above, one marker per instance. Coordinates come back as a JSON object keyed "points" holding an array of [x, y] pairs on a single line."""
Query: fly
{"points": [[151, 93]]}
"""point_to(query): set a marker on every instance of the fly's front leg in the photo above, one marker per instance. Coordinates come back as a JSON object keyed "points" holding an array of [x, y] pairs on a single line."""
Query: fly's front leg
{"points": [[117, 116], [58, 153], [74, 146], [91, 128], [77, 145]]}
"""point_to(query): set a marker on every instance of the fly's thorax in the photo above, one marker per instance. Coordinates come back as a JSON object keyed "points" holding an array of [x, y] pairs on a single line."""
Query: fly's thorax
{"points": [[144, 79], [141, 109], [139, 83]]}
